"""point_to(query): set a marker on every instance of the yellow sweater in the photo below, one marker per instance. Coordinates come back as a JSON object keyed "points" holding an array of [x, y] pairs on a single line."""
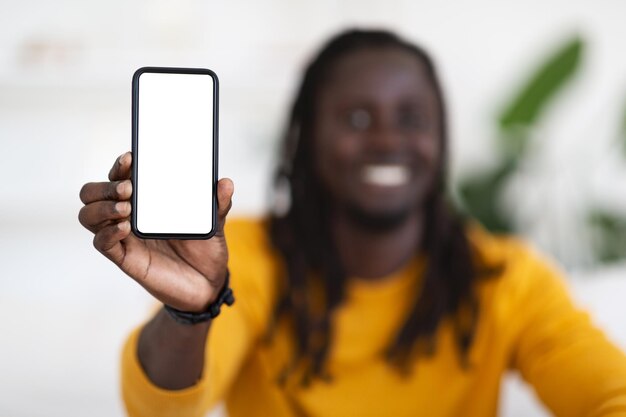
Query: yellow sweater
{"points": [[527, 323]]}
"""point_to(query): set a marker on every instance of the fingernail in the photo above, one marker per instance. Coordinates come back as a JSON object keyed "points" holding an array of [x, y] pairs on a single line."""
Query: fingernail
{"points": [[122, 188], [124, 226], [122, 207]]}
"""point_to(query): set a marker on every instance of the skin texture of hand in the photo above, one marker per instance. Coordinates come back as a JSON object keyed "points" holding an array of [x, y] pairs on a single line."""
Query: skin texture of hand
{"points": [[185, 274]]}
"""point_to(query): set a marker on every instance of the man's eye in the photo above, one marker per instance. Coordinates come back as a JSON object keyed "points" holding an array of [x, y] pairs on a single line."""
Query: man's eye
{"points": [[359, 119], [412, 120]]}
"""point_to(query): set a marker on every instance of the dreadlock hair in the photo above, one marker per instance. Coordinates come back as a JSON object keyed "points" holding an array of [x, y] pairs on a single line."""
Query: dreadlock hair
{"points": [[302, 233]]}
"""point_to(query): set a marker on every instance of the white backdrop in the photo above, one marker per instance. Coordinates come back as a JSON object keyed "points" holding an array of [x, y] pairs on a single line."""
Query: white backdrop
{"points": [[65, 72]]}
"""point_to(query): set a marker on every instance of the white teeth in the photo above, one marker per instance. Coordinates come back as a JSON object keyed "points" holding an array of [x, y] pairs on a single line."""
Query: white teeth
{"points": [[386, 175]]}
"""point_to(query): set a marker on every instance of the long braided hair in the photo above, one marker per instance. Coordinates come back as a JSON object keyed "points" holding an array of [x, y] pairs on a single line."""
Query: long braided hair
{"points": [[302, 233]]}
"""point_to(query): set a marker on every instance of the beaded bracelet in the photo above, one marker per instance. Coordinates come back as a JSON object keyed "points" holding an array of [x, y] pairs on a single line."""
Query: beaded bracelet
{"points": [[225, 296]]}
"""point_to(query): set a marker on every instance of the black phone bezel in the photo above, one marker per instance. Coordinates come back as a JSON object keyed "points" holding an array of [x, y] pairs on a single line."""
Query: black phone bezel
{"points": [[135, 150]]}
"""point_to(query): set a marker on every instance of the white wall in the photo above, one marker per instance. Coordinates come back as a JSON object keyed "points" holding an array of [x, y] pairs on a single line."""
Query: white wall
{"points": [[65, 70]]}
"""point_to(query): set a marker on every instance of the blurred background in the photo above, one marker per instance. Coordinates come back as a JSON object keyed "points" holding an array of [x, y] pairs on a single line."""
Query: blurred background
{"points": [[536, 91]]}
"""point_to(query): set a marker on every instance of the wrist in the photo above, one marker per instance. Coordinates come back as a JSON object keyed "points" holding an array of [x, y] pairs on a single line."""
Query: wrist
{"points": [[224, 296]]}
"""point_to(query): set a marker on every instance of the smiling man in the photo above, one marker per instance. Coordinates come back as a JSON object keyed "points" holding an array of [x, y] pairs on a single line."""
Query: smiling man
{"points": [[377, 137], [369, 296]]}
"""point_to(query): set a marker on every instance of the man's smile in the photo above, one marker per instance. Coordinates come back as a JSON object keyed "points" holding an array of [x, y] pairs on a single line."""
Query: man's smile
{"points": [[385, 175]]}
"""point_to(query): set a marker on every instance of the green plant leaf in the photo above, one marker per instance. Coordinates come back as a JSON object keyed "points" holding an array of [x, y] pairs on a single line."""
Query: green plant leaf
{"points": [[526, 107], [479, 197], [609, 232]]}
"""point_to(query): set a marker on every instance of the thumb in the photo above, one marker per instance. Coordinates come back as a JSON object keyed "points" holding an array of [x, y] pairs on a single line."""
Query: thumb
{"points": [[225, 190]]}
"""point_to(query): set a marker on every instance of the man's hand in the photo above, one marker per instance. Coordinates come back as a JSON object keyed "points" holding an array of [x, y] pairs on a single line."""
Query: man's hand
{"points": [[185, 274]]}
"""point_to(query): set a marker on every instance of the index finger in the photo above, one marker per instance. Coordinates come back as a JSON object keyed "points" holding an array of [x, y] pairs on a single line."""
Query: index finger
{"points": [[121, 167]]}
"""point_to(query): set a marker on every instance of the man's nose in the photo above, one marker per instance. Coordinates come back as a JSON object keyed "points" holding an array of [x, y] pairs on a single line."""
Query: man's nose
{"points": [[385, 136]]}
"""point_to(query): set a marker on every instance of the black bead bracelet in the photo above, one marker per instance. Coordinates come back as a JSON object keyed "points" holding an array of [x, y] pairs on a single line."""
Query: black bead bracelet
{"points": [[225, 296]]}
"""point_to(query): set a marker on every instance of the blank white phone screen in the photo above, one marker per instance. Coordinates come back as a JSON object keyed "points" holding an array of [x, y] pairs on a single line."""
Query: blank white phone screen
{"points": [[174, 159]]}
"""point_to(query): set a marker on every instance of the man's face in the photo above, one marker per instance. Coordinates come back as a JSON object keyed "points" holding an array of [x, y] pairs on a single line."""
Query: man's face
{"points": [[377, 133]]}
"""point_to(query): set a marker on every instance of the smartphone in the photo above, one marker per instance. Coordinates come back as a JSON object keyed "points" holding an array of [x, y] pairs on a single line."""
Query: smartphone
{"points": [[174, 145]]}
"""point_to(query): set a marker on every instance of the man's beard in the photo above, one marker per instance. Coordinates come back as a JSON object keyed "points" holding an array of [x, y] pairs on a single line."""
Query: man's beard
{"points": [[377, 222]]}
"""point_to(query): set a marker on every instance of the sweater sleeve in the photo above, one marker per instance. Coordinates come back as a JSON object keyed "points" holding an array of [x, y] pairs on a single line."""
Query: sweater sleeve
{"points": [[574, 369], [232, 335]]}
